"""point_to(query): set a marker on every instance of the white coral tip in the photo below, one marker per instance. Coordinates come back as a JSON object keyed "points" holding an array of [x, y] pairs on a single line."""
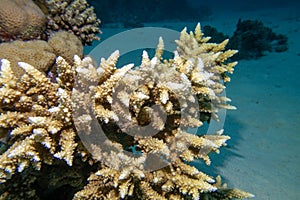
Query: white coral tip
{"points": [[59, 58], [115, 53], [24, 65], [4, 62]]}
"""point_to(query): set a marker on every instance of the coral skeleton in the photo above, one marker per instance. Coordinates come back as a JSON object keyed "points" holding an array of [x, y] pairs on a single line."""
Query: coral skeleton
{"points": [[145, 114]]}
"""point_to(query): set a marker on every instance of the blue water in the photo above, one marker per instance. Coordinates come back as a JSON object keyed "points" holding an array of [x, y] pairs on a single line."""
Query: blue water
{"points": [[263, 155]]}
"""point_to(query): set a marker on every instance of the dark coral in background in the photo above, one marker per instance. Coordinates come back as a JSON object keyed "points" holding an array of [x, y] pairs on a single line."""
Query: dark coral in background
{"points": [[252, 38]]}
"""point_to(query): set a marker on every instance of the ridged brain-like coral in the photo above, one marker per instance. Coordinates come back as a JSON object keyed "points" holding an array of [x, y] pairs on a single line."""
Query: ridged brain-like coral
{"points": [[40, 53], [38, 19], [36, 52], [66, 45], [37, 120], [21, 19]]}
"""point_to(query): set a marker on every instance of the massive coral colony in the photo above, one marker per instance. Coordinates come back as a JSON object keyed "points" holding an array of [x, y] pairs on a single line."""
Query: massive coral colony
{"points": [[38, 19]]}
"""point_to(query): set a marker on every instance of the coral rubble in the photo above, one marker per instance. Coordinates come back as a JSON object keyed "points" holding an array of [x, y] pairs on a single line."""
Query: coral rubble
{"points": [[145, 113]]}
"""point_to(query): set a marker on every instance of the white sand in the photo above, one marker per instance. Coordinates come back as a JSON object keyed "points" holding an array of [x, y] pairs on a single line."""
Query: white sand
{"points": [[266, 127], [263, 155]]}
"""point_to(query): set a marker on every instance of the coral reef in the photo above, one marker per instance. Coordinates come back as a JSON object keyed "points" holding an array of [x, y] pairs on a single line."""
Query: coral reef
{"points": [[42, 129], [37, 125], [39, 53], [215, 35], [20, 19], [74, 16], [252, 38], [196, 62], [38, 19], [37, 129]]}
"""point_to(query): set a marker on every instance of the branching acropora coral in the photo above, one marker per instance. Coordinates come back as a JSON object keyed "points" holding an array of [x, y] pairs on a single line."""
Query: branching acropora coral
{"points": [[197, 64], [145, 113], [35, 116], [75, 16]]}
